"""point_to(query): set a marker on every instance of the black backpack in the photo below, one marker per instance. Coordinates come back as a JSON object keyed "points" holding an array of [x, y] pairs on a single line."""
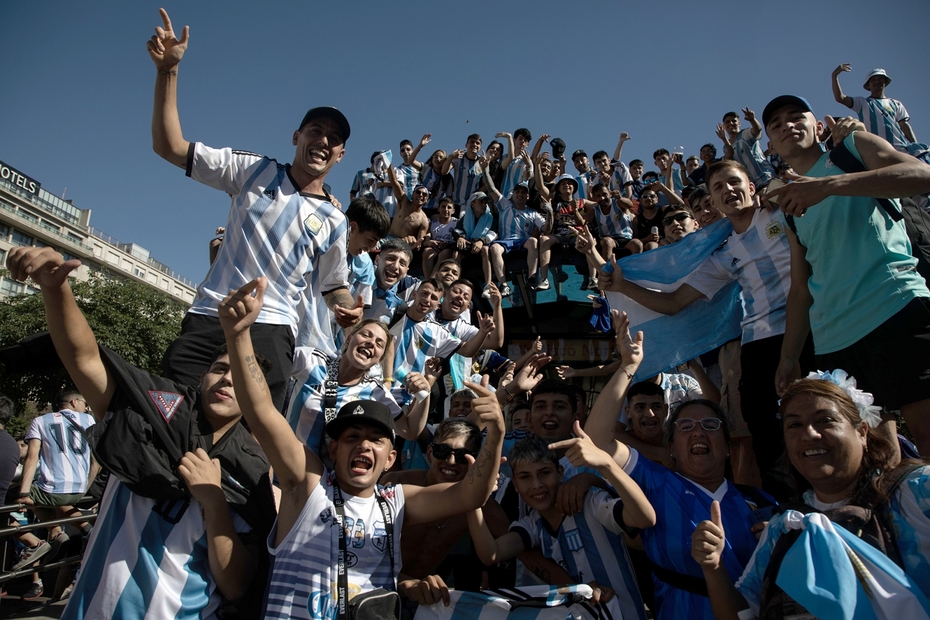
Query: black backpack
{"points": [[868, 518], [916, 220]]}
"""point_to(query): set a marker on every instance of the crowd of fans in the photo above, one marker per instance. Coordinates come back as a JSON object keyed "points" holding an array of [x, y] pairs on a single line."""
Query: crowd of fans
{"points": [[318, 382]]}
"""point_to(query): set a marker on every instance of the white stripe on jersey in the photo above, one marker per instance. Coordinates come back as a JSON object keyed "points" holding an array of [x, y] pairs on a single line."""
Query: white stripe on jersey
{"points": [[516, 224], [760, 260], [404, 289], [306, 415], [748, 151], [414, 343], [64, 457], [620, 177], [466, 175], [273, 230], [617, 223], [364, 182], [881, 117], [589, 546], [512, 176], [141, 564], [304, 575]]}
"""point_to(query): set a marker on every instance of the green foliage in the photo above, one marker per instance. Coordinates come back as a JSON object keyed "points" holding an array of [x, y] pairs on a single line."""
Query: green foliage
{"points": [[135, 320]]}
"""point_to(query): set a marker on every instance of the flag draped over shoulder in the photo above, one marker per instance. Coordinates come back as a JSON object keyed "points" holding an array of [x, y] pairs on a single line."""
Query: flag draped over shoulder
{"points": [[699, 327], [529, 603]]}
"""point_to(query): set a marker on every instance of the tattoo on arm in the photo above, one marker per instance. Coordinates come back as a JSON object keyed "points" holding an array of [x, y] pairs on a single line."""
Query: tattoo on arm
{"points": [[484, 458], [256, 372]]}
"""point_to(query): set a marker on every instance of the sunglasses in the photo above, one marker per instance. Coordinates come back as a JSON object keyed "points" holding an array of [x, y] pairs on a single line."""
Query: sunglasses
{"points": [[686, 425], [442, 451], [678, 217]]}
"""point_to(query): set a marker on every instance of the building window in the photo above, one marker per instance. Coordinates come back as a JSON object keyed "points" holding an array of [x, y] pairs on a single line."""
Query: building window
{"points": [[28, 216], [67, 256], [19, 238], [10, 287], [140, 273], [74, 238], [2, 259], [4, 232]]}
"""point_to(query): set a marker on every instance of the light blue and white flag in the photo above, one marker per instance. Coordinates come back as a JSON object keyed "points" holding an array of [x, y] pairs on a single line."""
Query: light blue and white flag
{"points": [[700, 327], [837, 576], [528, 603]]}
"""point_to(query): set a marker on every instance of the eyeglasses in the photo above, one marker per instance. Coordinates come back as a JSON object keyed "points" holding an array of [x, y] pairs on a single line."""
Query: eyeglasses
{"points": [[442, 451], [686, 425], [678, 217], [649, 197]]}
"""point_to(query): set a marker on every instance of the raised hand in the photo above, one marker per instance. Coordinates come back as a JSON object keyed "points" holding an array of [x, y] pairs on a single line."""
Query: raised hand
{"points": [[495, 295], [624, 136], [722, 134], [709, 540], [426, 139], [565, 372], [610, 275], [630, 349], [415, 382], [485, 407], [841, 128], [749, 115], [485, 322], [238, 310], [529, 376], [433, 369], [845, 67], [165, 48], [581, 451], [45, 266]]}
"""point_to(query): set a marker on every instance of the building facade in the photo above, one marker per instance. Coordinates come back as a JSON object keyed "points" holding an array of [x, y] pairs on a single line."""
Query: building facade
{"points": [[32, 216]]}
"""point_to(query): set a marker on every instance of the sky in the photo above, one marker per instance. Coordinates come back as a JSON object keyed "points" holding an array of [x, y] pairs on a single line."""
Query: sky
{"points": [[77, 84]]}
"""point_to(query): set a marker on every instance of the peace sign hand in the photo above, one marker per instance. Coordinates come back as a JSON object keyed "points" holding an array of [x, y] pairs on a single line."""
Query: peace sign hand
{"points": [[165, 48]]}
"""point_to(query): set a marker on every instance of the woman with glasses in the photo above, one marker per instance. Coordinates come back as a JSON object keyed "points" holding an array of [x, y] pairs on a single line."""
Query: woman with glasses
{"points": [[697, 438]]}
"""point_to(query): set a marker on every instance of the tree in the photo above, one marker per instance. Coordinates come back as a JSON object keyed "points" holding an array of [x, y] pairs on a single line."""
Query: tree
{"points": [[135, 320]]}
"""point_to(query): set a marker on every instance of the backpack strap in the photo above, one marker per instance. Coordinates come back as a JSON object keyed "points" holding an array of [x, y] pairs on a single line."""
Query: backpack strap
{"points": [[843, 158], [688, 583]]}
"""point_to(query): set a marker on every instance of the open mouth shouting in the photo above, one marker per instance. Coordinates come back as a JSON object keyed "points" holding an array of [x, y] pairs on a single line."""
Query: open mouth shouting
{"points": [[700, 448], [361, 464]]}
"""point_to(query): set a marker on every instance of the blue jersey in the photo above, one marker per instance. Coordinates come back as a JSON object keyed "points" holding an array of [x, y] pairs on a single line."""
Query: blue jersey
{"points": [[617, 223], [512, 176], [297, 240], [620, 177], [364, 182], [361, 283], [466, 175], [414, 343], [306, 414], [64, 457], [409, 178], [437, 185], [385, 302], [589, 546], [748, 151], [680, 506], [146, 559]]}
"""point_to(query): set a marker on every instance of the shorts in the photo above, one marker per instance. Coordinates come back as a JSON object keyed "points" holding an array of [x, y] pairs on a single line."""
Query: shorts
{"points": [[893, 360], [41, 498], [511, 244]]}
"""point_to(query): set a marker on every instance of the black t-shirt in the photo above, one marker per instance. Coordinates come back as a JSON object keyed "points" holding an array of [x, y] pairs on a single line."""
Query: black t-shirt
{"points": [[644, 225], [9, 461]]}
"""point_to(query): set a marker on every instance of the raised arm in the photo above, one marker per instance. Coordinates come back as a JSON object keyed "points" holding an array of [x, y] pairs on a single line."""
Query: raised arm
{"points": [[707, 545], [754, 123], [486, 326], [727, 145], [543, 138], [624, 136], [447, 163], [509, 157], [493, 192], [397, 187], [166, 51], [838, 93], [541, 188], [439, 501], [412, 160], [74, 341], [603, 416], [295, 467], [495, 339]]}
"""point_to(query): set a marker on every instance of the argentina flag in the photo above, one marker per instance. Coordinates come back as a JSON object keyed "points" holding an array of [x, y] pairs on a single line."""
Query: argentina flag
{"points": [[701, 326], [529, 603]]}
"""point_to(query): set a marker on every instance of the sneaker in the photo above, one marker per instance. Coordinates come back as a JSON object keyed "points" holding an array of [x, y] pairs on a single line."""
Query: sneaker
{"points": [[585, 283], [58, 546], [486, 291], [31, 555], [543, 286], [34, 592], [532, 283], [505, 290], [561, 277]]}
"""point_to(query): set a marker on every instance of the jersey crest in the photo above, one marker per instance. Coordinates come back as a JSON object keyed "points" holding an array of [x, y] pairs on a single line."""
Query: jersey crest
{"points": [[573, 540], [167, 403], [773, 230], [313, 223]]}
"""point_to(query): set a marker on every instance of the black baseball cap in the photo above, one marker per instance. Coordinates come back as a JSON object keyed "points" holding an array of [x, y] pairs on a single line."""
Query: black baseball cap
{"points": [[579, 153], [781, 101], [328, 112], [364, 412]]}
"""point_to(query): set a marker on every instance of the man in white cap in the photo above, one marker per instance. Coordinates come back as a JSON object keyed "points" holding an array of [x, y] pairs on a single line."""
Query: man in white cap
{"points": [[882, 116]]}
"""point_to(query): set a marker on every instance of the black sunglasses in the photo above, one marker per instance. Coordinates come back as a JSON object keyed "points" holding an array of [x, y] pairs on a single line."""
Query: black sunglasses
{"points": [[678, 217], [442, 451]]}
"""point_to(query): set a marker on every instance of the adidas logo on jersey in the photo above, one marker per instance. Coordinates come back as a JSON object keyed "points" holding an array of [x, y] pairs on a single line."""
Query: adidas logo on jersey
{"points": [[735, 261], [270, 193]]}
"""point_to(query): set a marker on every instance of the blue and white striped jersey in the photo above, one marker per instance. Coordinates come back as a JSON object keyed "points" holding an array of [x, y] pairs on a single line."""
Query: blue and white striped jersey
{"points": [[881, 117], [414, 343], [911, 526], [512, 176], [516, 224], [590, 547], [409, 178], [296, 240], [466, 174], [620, 177], [760, 260], [436, 184], [384, 303], [681, 506], [364, 182], [146, 559], [361, 282], [617, 223], [586, 180], [304, 572], [747, 150], [64, 457], [385, 195], [306, 416]]}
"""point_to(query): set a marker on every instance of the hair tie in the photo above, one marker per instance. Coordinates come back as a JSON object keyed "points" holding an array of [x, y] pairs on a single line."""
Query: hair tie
{"points": [[869, 413]]}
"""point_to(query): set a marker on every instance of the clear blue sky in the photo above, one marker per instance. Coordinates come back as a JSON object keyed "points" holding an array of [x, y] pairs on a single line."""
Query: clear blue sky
{"points": [[77, 84]]}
